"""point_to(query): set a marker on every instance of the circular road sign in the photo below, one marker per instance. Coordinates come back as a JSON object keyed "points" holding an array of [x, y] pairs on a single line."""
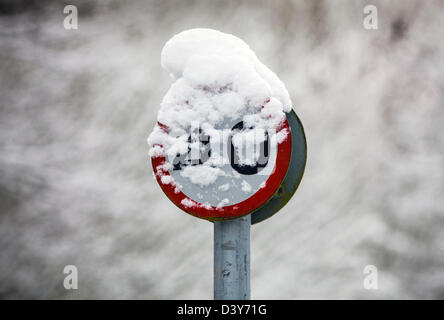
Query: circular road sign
{"points": [[261, 188]]}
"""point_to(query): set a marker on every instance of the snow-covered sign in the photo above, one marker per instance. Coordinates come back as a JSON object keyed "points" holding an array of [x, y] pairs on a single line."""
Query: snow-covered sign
{"points": [[224, 141]]}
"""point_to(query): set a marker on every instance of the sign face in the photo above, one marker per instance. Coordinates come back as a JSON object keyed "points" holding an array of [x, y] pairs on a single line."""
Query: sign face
{"points": [[250, 175]]}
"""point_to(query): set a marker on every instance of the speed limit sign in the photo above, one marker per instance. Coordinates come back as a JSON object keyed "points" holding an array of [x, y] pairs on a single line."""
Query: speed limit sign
{"points": [[260, 188], [227, 142], [227, 146]]}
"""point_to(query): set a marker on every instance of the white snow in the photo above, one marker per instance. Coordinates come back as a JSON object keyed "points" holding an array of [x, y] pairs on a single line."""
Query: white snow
{"points": [[202, 175], [222, 203], [281, 135], [188, 203], [166, 179], [246, 186], [224, 187], [156, 151], [247, 144], [217, 77]]}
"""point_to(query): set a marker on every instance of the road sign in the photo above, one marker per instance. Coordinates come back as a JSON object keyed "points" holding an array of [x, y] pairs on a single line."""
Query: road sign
{"points": [[260, 188]]}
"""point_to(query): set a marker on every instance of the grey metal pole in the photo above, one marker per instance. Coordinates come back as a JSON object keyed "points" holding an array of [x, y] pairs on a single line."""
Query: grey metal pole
{"points": [[232, 259]]}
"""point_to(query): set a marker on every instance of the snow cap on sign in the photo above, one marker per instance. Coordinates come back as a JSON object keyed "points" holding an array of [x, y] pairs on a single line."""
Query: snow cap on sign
{"points": [[207, 44]]}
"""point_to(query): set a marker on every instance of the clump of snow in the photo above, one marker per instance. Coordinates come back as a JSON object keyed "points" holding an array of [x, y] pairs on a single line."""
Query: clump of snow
{"points": [[202, 175], [161, 171], [222, 203], [281, 135], [166, 179], [246, 186], [246, 143], [156, 151], [188, 203], [224, 187], [210, 57], [217, 77]]}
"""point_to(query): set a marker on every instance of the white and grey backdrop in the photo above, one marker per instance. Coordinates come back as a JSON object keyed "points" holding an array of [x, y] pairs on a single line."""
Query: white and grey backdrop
{"points": [[76, 185]]}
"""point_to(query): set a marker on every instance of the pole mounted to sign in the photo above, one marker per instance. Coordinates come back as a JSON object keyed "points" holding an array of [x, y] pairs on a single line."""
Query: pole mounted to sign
{"points": [[232, 259], [256, 193]]}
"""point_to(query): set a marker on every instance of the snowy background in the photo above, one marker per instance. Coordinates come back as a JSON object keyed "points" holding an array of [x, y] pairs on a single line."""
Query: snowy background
{"points": [[76, 186]]}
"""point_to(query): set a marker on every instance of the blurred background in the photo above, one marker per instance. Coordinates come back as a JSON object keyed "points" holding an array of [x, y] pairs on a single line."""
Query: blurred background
{"points": [[76, 185]]}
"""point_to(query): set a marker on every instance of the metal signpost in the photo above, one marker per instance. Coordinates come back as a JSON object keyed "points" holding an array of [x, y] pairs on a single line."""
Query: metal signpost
{"points": [[232, 259], [244, 195]]}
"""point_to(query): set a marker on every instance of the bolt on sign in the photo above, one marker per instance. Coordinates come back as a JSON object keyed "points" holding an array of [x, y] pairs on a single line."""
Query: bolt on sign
{"points": [[227, 142]]}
